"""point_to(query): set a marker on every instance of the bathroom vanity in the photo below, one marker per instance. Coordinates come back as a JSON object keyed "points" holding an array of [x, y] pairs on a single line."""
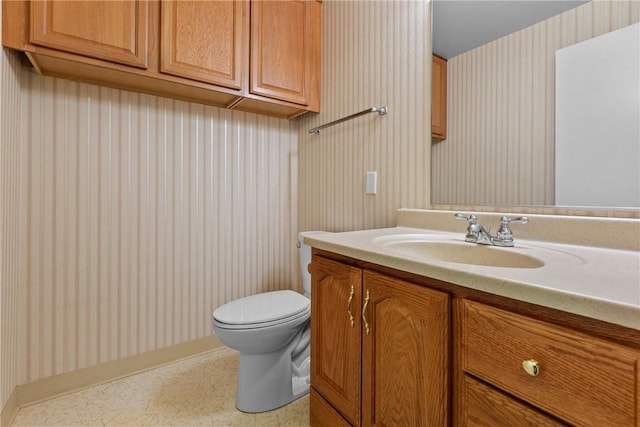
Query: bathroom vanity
{"points": [[403, 335], [395, 332]]}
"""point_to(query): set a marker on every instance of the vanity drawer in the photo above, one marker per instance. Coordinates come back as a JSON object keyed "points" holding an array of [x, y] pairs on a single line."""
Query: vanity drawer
{"points": [[482, 405], [581, 380]]}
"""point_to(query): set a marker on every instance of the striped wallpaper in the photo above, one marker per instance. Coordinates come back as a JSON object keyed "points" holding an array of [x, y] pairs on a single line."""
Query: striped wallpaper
{"points": [[500, 142], [133, 216], [375, 53], [11, 240], [141, 216]]}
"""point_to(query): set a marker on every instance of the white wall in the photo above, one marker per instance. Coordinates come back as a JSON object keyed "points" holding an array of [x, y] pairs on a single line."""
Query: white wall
{"points": [[598, 121]]}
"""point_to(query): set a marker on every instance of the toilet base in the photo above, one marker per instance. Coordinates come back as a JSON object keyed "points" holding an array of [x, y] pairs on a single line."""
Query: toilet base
{"points": [[268, 381]]}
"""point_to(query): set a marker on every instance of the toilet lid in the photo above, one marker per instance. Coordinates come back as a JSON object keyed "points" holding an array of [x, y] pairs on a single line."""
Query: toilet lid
{"points": [[260, 308]]}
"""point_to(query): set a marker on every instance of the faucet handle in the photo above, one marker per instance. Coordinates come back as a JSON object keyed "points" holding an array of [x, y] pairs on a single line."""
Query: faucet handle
{"points": [[473, 230], [505, 220], [504, 234], [471, 218]]}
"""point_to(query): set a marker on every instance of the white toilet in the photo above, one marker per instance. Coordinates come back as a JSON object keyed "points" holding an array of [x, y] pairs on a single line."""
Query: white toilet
{"points": [[271, 331]]}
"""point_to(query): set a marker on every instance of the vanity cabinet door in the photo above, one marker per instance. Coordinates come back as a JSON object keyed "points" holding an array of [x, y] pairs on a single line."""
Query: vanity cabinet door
{"points": [[205, 40], [322, 414], [405, 372], [379, 349], [114, 31], [335, 335]]}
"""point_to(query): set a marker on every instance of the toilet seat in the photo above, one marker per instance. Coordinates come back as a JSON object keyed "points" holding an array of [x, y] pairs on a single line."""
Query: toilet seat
{"points": [[264, 325], [262, 310]]}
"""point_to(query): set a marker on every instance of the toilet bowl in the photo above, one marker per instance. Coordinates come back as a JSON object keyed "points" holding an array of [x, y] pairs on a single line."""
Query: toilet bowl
{"points": [[271, 331]]}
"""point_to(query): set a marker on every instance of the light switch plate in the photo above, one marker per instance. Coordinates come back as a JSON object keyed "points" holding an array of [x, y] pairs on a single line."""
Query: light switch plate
{"points": [[372, 182]]}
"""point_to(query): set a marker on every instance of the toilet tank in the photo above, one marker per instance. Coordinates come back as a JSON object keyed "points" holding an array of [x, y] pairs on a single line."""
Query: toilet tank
{"points": [[304, 255]]}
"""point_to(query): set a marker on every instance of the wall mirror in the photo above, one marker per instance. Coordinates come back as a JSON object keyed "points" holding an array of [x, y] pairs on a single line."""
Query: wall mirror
{"points": [[500, 148]]}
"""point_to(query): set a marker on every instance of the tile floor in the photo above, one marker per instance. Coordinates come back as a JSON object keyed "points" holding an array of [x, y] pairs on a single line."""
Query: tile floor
{"points": [[199, 391]]}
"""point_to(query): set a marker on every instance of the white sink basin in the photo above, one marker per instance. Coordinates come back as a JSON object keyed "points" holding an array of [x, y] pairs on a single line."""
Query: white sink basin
{"points": [[442, 247], [464, 253]]}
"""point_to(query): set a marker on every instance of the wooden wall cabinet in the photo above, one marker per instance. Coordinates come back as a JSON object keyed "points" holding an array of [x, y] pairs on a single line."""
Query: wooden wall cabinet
{"points": [[284, 58], [205, 41], [199, 51], [439, 98], [380, 349], [115, 31]]}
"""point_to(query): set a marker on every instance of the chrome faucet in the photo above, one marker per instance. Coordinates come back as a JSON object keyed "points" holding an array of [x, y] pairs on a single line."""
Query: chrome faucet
{"points": [[477, 233]]}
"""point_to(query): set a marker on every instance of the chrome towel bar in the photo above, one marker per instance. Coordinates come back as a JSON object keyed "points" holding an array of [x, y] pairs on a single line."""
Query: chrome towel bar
{"points": [[381, 110]]}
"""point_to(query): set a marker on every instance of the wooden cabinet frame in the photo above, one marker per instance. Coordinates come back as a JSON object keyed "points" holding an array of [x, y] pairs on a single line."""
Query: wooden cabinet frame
{"points": [[136, 65], [466, 390]]}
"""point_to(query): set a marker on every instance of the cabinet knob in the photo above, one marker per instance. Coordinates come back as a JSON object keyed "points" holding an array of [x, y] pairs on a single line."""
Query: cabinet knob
{"points": [[531, 367]]}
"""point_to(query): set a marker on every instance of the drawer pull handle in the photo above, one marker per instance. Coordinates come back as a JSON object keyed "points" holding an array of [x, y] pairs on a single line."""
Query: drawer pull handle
{"points": [[351, 319], [531, 367]]}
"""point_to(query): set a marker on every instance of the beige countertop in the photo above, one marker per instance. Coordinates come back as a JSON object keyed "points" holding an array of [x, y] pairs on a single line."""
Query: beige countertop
{"points": [[598, 282]]}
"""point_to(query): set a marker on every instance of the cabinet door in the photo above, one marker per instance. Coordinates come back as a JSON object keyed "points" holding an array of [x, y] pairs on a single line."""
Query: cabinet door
{"points": [[114, 31], [205, 40], [321, 414], [285, 49], [405, 354], [335, 337], [439, 98]]}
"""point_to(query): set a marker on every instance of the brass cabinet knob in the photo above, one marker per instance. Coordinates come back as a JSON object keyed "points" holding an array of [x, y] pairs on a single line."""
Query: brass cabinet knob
{"points": [[531, 367]]}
